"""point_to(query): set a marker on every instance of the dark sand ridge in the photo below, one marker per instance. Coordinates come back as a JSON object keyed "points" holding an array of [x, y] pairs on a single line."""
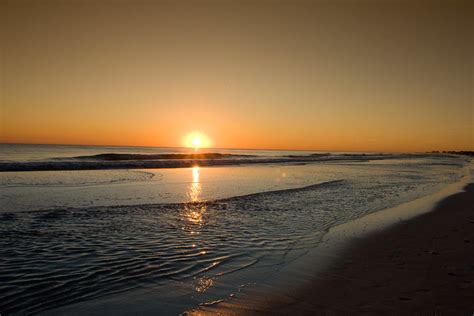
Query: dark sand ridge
{"points": [[423, 265]]}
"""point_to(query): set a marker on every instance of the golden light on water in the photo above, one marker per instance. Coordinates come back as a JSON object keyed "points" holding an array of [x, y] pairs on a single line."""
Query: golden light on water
{"points": [[195, 188], [194, 211], [195, 174], [203, 284], [196, 140]]}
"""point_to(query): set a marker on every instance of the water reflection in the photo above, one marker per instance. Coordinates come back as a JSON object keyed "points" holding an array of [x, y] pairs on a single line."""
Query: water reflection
{"points": [[203, 283], [195, 189], [194, 210], [193, 215]]}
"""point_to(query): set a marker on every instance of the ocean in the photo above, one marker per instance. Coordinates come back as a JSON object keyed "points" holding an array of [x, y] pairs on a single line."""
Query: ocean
{"points": [[85, 225]]}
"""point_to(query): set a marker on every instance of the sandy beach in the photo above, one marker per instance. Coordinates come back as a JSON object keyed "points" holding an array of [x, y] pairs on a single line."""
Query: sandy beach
{"points": [[199, 238], [284, 157], [424, 265]]}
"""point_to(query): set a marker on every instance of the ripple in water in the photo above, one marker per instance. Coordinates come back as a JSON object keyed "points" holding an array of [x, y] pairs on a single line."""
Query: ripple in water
{"points": [[55, 258]]}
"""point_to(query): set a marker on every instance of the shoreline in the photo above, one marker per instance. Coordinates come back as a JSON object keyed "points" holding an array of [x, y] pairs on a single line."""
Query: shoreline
{"points": [[422, 265], [267, 279], [342, 279], [257, 298]]}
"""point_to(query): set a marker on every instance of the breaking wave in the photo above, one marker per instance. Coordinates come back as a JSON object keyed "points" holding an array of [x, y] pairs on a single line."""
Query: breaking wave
{"points": [[151, 161]]}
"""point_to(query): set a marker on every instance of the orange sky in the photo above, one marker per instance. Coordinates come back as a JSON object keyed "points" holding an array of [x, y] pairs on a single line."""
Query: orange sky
{"points": [[391, 76]]}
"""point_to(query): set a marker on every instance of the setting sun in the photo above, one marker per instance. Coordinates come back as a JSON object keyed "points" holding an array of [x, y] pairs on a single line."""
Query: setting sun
{"points": [[196, 140], [166, 144]]}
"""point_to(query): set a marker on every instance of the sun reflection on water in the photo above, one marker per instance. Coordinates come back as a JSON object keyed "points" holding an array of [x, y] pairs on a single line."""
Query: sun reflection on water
{"points": [[194, 210], [195, 188], [203, 283], [193, 217]]}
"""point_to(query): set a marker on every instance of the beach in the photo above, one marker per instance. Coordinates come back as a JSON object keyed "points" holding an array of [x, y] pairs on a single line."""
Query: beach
{"points": [[419, 266], [175, 240], [236, 157]]}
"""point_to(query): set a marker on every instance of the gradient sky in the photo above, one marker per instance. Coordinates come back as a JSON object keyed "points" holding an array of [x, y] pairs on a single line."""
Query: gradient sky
{"points": [[335, 75]]}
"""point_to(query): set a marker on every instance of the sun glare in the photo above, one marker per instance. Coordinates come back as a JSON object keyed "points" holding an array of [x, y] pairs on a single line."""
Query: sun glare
{"points": [[196, 140]]}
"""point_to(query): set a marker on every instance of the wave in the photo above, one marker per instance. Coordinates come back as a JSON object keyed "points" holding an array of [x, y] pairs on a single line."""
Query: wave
{"points": [[284, 191], [121, 157], [53, 258], [156, 161]]}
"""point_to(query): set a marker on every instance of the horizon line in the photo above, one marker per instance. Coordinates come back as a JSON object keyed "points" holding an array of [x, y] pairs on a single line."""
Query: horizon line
{"points": [[224, 148]]}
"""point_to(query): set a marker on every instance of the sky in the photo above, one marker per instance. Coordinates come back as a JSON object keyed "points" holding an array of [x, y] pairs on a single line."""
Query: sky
{"points": [[314, 75]]}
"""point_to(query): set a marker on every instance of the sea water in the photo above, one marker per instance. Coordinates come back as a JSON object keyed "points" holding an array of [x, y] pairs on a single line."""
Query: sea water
{"points": [[71, 237]]}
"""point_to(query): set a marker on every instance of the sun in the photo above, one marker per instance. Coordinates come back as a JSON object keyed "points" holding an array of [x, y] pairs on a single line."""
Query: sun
{"points": [[196, 140]]}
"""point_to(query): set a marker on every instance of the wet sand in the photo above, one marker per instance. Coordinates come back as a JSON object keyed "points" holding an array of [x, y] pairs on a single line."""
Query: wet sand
{"points": [[424, 265], [414, 265]]}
